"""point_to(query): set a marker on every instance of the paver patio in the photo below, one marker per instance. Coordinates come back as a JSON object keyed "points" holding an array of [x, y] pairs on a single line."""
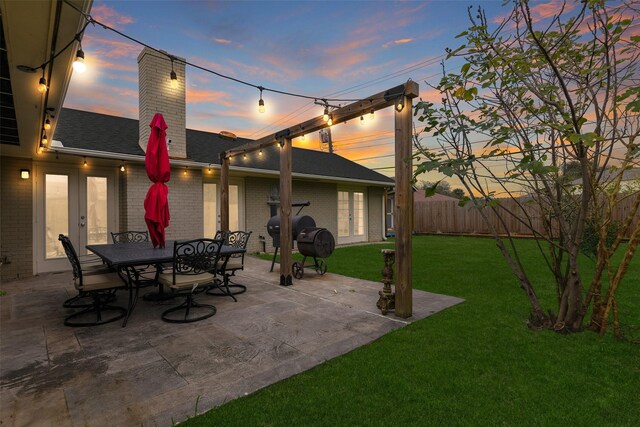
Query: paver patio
{"points": [[156, 373]]}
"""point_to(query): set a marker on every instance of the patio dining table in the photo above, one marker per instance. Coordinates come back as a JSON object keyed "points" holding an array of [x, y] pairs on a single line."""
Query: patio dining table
{"points": [[128, 255]]}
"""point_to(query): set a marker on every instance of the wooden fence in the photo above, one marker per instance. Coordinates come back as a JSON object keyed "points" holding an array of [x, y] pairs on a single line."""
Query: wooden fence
{"points": [[446, 217]]}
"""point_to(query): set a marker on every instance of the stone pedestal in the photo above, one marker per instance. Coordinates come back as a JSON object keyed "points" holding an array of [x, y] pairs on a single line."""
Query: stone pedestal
{"points": [[387, 298]]}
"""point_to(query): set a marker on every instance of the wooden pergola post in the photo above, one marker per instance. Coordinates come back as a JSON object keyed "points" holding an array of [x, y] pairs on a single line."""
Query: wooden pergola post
{"points": [[404, 209], [224, 193], [286, 240]]}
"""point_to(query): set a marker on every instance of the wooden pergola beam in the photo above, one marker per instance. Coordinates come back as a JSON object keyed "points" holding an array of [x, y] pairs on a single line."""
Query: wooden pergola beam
{"points": [[351, 111]]}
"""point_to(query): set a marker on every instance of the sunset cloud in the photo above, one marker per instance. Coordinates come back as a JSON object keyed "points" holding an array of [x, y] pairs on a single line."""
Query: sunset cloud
{"points": [[109, 48], [222, 41], [199, 96], [109, 16], [397, 42]]}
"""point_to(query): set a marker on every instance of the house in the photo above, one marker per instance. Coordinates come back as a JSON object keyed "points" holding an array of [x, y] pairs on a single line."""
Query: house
{"points": [[91, 180], [629, 180]]}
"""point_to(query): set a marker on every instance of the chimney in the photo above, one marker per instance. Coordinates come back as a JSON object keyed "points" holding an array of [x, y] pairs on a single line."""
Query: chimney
{"points": [[157, 96]]}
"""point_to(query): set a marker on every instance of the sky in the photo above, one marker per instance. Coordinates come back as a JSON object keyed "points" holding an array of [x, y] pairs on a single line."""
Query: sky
{"points": [[345, 49]]}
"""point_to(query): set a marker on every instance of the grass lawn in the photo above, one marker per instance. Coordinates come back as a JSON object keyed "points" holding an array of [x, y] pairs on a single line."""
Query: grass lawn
{"points": [[473, 364]]}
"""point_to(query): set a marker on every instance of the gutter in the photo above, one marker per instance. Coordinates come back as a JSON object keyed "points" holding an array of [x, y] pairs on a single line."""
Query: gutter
{"points": [[56, 146]]}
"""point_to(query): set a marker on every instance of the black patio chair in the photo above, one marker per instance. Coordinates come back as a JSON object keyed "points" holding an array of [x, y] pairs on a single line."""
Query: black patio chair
{"points": [[227, 267], [144, 275], [90, 264], [193, 272], [101, 288]]}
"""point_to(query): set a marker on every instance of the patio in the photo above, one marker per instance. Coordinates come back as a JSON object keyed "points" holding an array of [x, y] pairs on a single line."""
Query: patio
{"points": [[156, 373]]}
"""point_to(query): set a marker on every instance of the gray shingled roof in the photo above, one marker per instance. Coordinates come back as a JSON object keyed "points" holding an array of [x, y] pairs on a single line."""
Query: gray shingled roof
{"points": [[100, 132]]}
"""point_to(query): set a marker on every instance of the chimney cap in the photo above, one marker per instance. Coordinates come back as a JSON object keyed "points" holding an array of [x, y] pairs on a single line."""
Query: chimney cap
{"points": [[229, 135]]}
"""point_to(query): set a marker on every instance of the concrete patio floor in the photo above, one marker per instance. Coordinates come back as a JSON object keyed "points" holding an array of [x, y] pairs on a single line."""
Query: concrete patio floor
{"points": [[155, 373]]}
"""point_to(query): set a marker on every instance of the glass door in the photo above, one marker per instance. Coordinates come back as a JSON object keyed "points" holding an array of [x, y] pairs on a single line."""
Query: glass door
{"points": [[211, 202], [78, 203], [352, 217]]}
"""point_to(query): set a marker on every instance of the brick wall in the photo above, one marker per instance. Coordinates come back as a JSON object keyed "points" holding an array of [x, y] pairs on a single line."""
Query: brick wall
{"points": [[157, 96], [376, 218], [16, 219], [323, 209], [185, 202]]}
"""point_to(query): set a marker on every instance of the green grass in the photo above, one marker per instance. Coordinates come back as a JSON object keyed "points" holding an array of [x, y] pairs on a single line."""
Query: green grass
{"points": [[474, 364]]}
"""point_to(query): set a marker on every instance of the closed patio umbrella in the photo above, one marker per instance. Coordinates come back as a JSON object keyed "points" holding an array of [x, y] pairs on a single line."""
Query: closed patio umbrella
{"points": [[156, 204]]}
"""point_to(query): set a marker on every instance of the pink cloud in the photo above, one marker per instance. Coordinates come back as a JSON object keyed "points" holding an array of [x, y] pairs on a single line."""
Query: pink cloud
{"points": [[112, 48], [222, 41], [109, 16], [397, 42], [199, 96]]}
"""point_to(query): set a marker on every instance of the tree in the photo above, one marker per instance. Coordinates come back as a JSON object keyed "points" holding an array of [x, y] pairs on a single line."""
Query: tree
{"points": [[533, 101], [440, 187]]}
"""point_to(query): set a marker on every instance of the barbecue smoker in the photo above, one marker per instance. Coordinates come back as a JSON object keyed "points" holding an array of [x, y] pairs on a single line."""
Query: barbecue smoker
{"points": [[312, 241]]}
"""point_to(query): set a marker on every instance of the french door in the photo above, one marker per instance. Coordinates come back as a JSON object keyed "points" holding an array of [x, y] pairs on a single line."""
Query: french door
{"points": [[79, 203], [352, 216], [211, 202]]}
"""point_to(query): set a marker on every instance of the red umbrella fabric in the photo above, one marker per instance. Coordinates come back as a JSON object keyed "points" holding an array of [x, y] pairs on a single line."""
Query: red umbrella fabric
{"points": [[156, 204]]}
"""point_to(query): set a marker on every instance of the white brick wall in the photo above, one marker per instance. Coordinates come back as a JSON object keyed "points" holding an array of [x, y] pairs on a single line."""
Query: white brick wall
{"points": [[16, 219], [157, 96]]}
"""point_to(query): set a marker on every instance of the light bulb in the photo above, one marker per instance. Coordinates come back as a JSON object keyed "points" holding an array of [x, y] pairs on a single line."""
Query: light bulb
{"points": [[85, 163], [261, 105], [185, 172], [122, 168], [78, 63], [244, 156], [40, 149], [174, 80], [325, 116], [260, 153], [371, 115], [45, 141], [399, 105], [362, 120], [42, 85], [302, 138], [47, 124], [330, 121]]}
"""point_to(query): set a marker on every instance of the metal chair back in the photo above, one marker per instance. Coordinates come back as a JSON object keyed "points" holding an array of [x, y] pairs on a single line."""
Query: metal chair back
{"points": [[73, 258], [238, 239], [130, 236], [196, 256]]}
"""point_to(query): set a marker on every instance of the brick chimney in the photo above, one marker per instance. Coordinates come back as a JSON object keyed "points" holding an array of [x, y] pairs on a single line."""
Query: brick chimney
{"points": [[157, 96]]}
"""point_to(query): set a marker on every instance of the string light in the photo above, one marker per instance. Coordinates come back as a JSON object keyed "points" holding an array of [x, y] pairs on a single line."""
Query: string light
{"points": [[85, 162], [185, 170], [302, 137], [40, 148], [371, 114], [42, 84], [173, 77], [260, 153], [261, 101], [209, 170], [244, 156], [78, 63], [400, 104], [330, 121], [122, 168], [47, 124], [361, 120], [45, 141], [325, 116]]}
